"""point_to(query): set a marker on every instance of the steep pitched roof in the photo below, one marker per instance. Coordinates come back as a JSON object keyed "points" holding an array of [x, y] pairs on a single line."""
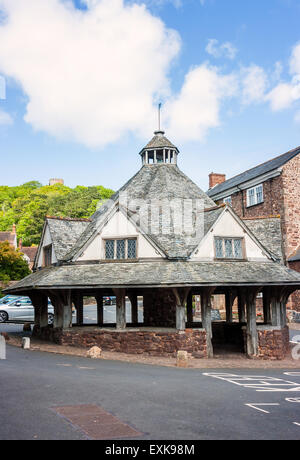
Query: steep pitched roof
{"points": [[29, 252], [268, 232], [65, 232], [152, 183], [252, 173]]}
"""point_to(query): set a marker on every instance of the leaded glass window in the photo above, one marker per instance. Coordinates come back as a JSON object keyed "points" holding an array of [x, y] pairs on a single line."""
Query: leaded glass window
{"points": [[219, 248], [121, 249], [110, 249], [131, 249], [228, 249]]}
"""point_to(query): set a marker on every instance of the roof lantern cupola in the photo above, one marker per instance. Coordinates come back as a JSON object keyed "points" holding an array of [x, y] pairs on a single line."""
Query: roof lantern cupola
{"points": [[159, 150]]}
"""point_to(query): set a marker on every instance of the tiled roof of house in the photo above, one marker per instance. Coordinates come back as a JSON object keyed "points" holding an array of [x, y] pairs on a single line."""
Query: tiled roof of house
{"points": [[29, 252], [7, 236], [252, 173], [165, 273], [268, 232]]}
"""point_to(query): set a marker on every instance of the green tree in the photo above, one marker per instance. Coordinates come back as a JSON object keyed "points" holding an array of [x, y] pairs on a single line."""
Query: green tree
{"points": [[12, 265]]}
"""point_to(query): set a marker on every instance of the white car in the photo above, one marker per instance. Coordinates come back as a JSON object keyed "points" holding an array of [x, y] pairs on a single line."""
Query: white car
{"points": [[21, 309]]}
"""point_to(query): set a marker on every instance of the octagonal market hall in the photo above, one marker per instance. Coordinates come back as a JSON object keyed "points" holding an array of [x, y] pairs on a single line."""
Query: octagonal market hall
{"points": [[161, 243]]}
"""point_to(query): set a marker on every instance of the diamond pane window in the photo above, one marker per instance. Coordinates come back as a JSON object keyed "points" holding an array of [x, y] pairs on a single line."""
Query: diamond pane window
{"points": [[219, 248], [110, 249], [121, 249], [131, 249], [238, 251], [228, 249]]}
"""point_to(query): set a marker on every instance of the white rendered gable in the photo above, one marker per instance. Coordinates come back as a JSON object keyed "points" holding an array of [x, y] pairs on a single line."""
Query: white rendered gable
{"points": [[228, 226], [46, 241], [119, 226]]}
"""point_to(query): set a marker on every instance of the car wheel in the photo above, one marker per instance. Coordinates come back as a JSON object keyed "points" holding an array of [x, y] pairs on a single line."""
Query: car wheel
{"points": [[3, 317], [50, 319]]}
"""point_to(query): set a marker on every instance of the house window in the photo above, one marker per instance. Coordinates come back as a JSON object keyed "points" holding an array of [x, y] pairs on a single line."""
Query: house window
{"points": [[255, 195], [48, 256], [229, 248], [121, 249], [228, 201]]}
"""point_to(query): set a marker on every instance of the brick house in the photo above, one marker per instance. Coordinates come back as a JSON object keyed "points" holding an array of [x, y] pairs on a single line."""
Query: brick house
{"points": [[29, 253], [11, 237], [268, 191]]}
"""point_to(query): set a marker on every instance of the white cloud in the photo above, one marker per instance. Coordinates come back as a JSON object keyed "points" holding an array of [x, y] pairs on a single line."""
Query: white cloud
{"points": [[285, 94], [90, 76], [5, 118], [254, 83], [196, 108], [217, 50]]}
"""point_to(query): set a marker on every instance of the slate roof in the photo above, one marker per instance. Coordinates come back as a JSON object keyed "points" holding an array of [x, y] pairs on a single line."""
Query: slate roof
{"points": [[159, 141], [153, 182], [29, 252], [268, 232], [64, 233], [160, 273], [250, 174]]}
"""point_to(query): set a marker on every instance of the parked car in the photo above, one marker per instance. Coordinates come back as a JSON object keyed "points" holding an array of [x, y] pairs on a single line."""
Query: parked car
{"points": [[215, 315], [9, 298], [21, 309], [109, 300]]}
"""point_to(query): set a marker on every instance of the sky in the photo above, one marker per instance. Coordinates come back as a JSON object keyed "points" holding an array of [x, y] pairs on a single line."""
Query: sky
{"points": [[80, 82]]}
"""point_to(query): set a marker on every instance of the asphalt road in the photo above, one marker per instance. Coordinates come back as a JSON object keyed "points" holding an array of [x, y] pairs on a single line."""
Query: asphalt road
{"points": [[161, 403]]}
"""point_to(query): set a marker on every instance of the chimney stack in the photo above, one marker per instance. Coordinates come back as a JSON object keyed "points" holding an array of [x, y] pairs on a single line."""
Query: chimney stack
{"points": [[20, 243], [56, 181], [14, 229], [216, 179]]}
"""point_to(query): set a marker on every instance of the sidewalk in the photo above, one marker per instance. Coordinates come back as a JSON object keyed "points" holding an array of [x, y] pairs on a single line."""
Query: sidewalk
{"points": [[227, 361]]}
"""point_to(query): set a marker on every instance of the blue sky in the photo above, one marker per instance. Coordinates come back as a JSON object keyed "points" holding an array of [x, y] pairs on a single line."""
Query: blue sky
{"points": [[82, 86]]}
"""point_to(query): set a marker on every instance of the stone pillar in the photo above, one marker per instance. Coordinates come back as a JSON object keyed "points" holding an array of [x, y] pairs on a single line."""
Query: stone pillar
{"points": [[252, 335], [134, 308], [120, 308], [190, 316], [206, 318], [100, 312], [242, 306], [229, 298]]}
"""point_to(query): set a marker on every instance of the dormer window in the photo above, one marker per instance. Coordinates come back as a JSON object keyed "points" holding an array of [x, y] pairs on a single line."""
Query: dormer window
{"points": [[255, 195], [229, 248], [120, 249], [47, 255]]}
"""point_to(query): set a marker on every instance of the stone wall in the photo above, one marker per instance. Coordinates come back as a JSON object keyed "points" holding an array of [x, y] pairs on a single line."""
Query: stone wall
{"points": [[273, 343], [151, 343], [294, 300]]}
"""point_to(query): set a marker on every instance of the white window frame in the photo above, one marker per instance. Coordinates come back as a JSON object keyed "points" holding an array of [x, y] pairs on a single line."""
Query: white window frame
{"points": [[255, 196], [228, 200]]}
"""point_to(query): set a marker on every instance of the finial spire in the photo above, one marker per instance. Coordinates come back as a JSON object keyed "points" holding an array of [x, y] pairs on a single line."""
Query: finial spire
{"points": [[159, 116]]}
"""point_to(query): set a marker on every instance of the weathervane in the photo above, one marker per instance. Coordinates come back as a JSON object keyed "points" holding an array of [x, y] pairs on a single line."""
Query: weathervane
{"points": [[159, 115]]}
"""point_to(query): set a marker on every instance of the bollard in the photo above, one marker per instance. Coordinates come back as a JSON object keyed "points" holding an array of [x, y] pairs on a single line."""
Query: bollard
{"points": [[2, 347], [182, 359], [26, 343]]}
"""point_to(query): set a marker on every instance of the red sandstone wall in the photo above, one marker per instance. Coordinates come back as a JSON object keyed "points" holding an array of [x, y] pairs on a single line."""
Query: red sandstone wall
{"points": [[273, 344]]}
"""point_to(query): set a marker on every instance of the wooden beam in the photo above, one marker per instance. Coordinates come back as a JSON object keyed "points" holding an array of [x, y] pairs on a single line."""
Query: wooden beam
{"points": [[181, 295], [134, 307], [252, 336], [242, 305], [100, 310], [206, 318], [120, 308], [190, 316]]}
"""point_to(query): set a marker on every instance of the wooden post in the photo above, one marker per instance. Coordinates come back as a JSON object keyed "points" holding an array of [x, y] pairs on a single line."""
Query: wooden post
{"points": [[252, 336], [181, 295], [120, 309], [78, 301], [276, 308], [267, 305], [100, 312], [134, 308], [242, 306], [229, 298], [62, 303], [206, 318], [190, 316], [40, 304]]}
